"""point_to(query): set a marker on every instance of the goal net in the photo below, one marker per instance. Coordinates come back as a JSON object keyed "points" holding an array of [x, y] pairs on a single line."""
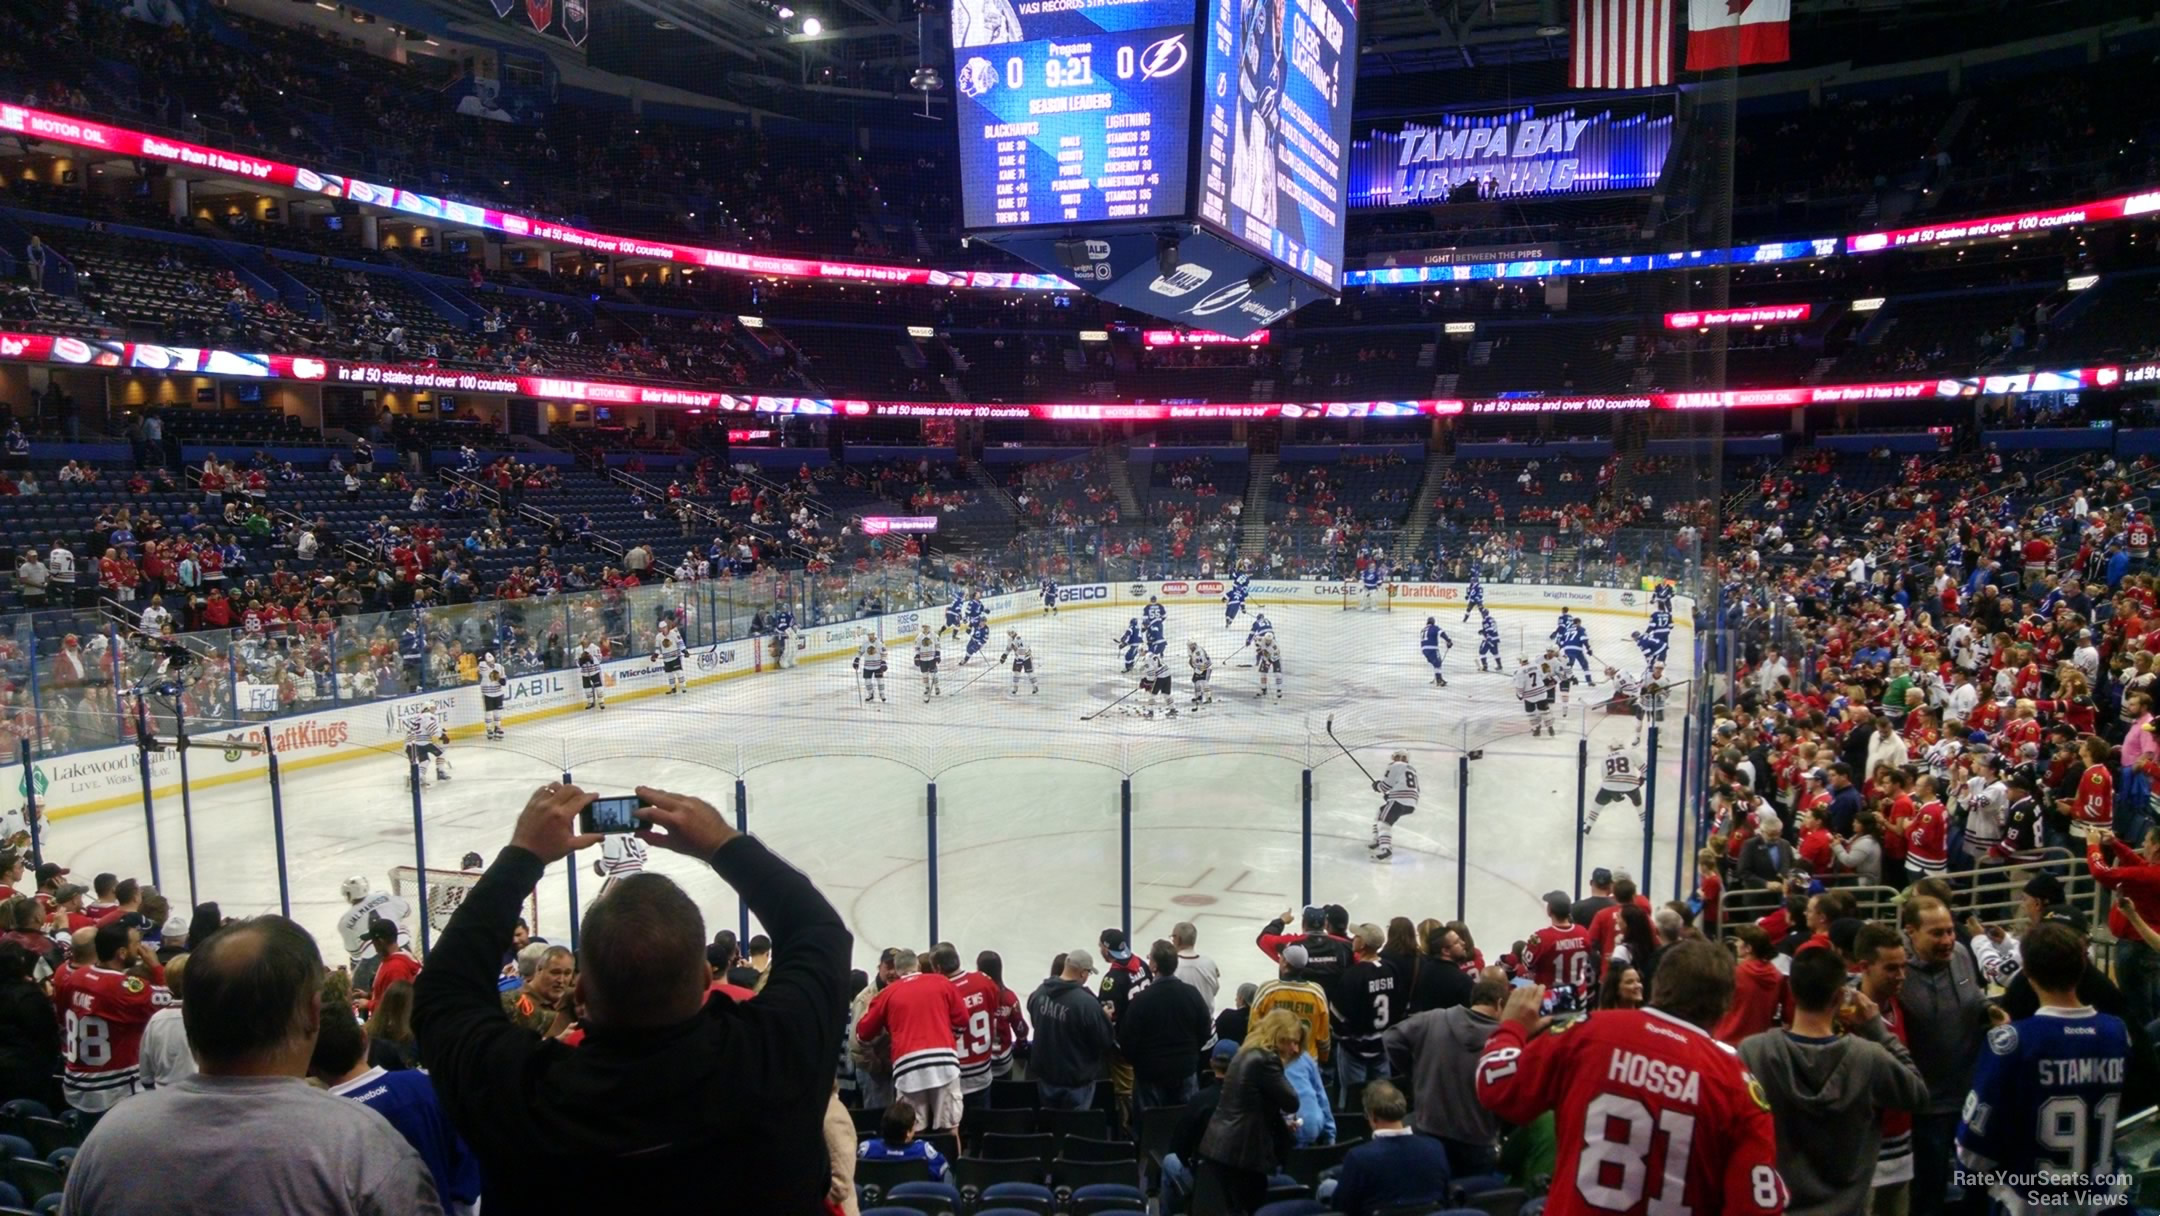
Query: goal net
{"points": [[446, 889], [1354, 598]]}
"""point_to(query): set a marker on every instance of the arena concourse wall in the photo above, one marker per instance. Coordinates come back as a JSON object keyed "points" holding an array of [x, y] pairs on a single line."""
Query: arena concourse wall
{"points": [[105, 778]]}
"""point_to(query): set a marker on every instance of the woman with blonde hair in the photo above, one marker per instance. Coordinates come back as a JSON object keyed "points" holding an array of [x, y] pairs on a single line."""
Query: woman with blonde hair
{"points": [[391, 1044], [1250, 1134]]}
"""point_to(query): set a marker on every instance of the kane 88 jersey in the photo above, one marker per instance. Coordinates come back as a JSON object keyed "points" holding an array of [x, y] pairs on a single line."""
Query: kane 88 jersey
{"points": [[1651, 1116]]}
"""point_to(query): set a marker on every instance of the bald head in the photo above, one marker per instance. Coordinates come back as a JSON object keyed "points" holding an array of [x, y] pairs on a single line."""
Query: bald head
{"points": [[254, 997], [641, 959]]}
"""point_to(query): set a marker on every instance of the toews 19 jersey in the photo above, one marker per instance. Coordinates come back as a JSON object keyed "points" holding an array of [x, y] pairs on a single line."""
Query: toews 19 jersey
{"points": [[977, 1043], [1651, 1116], [102, 1013]]}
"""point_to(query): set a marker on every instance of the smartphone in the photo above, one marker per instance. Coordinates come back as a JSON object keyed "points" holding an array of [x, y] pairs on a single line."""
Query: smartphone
{"points": [[611, 815]]}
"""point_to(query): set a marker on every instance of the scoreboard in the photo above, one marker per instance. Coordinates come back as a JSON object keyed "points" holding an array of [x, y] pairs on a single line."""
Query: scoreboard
{"points": [[1276, 121], [1073, 111]]}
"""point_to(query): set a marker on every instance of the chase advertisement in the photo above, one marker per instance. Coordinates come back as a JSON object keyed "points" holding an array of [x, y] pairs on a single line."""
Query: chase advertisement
{"points": [[1276, 111], [1523, 153], [1072, 111]]}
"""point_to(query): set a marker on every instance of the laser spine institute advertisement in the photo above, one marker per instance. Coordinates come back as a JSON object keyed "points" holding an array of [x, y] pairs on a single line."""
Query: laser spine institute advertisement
{"points": [[1276, 104], [1072, 111]]}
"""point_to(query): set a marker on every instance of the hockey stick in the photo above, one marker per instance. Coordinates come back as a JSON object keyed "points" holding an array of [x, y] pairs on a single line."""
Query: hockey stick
{"points": [[1113, 705], [997, 666], [1346, 751]]}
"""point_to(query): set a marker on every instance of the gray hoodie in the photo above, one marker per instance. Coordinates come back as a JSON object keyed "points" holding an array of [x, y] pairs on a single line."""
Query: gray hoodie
{"points": [[1827, 1096], [1438, 1050]]}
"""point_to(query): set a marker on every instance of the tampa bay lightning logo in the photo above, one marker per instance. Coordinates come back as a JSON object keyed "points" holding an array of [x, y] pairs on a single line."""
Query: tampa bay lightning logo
{"points": [[977, 77], [1166, 57], [1221, 298]]}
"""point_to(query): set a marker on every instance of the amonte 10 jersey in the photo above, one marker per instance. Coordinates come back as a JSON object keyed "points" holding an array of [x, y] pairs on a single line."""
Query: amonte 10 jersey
{"points": [[1650, 1115], [2040, 1120]]}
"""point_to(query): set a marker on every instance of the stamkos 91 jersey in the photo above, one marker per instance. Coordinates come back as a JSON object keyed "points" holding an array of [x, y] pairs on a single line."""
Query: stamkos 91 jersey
{"points": [[2039, 1124], [1651, 1116]]}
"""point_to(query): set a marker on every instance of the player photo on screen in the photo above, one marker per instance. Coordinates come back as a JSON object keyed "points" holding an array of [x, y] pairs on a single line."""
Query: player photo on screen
{"points": [[984, 23], [1259, 105]]}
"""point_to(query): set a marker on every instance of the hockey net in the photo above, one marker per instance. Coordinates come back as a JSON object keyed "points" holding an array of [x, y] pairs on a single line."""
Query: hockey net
{"points": [[1354, 600], [446, 889]]}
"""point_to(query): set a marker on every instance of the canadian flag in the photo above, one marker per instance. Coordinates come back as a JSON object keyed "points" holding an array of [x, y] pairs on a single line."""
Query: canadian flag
{"points": [[1729, 33]]}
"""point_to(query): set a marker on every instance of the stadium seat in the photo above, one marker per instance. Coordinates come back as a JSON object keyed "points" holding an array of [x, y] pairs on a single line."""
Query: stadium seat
{"points": [[866, 1121], [35, 1179], [873, 1178], [1036, 1146], [1501, 1201], [1293, 1207], [1305, 1164], [1030, 1196], [1106, 1197], [1093, 1124], [9, 1196], [982, 1173], [1081, 1148], [62, 1159], [15, 1146], [932, 1198], [1018, 1121], [1156, 1127]]}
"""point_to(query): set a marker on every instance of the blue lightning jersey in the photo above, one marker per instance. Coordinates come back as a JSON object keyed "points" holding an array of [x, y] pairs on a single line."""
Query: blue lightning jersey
{"points": [[2040, 1119], [1433, 638], [1153, 614], [978, 636], [1371, 576], [1476, 594], [1131, 637], [1049, 591], [975, 613], [1488, 632], [1260, 625], [783, 621], [1153, 626], [1241, 585], [1662, 595]]}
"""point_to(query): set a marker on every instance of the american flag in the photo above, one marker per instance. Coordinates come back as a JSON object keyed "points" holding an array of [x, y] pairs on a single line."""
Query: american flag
{"points": [[1621, 44]]}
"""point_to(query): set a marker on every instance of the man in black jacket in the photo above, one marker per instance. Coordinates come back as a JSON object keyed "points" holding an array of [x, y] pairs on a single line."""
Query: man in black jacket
{"points": [[1072, 1034], [668, 1090], [1162, 1034]]}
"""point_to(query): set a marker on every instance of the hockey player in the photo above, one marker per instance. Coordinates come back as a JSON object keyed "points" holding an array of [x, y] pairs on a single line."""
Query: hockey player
{"points": [[783, 627], [621, 855], [587, 659], [1234, 598], [1202, 668], [1628, 686], [1267, 660], [1049, 596], [1374, 580], [926, 663], [1563, 676], [1152, 626], [1661, 596], [1488, 641], [366, 903], [870, 661], [974, 614], [1132, 640], [1534, 687], [424, 737], [1023, 662], [668, 652], [1651, 695], [1260, 625], [1398, 790], [1476, 601], [953, 613], [494, 684], [1155, 682], [1657, 638], [978, 637], [1154, 613], [1574, 643], [1434, 643], [1623, 778]]}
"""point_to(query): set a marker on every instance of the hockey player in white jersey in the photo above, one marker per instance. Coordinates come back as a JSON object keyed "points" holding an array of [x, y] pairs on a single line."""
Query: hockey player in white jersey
{"points": [[1155, 682], [870, 662], [1534, 687], [1202, 668], [621, 855], [494, 685], [1023, 662], [588, 662], [1622, 778], [927, 656], [368, 903], [1267, 660], [1398, 790], [668, 652], [424, 737], [1627, 688]]}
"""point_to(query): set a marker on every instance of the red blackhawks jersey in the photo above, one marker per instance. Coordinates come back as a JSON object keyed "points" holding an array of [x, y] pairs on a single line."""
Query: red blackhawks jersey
{"points": [[102, 1013], [1563, 960], [980, 998], [1650, 1116], [924, 1014]]}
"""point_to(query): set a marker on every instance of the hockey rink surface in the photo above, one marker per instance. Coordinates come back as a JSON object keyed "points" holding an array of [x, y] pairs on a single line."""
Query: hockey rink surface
{"points": [[1028, 794]]}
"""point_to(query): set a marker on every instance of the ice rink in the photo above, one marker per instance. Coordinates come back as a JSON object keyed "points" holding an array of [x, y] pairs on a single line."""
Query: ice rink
{"points": [[1028, 796]]}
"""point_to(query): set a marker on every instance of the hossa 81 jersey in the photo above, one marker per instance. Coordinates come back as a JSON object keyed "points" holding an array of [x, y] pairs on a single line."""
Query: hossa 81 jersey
{"points": [[1651, 1116]]}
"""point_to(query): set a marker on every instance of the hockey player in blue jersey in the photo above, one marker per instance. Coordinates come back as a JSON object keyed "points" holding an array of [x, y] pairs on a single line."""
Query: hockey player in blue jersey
{"points": [[953, 613], [1260, 625], [2038, 1127], [1154, 613], [1488, 641], [1661, 596], [1574, 642], [973, 612], [1373, 578], [1234, 598], [1657, 639], [1434, 643], [978, 637], [1049, 597], [1476, 597], [783, 631], [1132, 639], [1153, 627]]}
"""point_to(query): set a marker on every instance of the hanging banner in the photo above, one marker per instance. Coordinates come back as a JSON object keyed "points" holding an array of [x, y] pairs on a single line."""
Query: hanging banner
{"points": [[542, 13], [576, 21], [504, 7], [1540, 150]]}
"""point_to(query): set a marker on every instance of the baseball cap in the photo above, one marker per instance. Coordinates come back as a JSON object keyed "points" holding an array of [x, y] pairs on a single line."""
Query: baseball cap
{"points": [[2073, 917], [1113, 941], [1978, 736], [1819, 774], [1557, 903], [49, 871], [1601, 877], [1080, 960], [1224, 1049], [2045, 887], [381, 927], [68, 891], [175, 928], [1315, 917], [1295, 956]]}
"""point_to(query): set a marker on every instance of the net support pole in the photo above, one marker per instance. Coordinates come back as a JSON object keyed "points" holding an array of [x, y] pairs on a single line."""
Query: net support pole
{"points": [[930, 819], [277, 825], [570, 881], [419, 845], [1682, 855], [1582, 794], [1305, 890], [1125, 856], [187, 799], [1462, 837], [30, 808], [742, 824], [142, 764], [1649, 834]]}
